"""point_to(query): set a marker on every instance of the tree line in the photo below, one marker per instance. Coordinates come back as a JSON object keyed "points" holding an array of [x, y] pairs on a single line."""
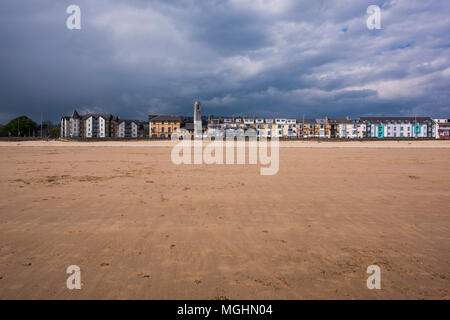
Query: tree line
{"points": [[25, 127]]}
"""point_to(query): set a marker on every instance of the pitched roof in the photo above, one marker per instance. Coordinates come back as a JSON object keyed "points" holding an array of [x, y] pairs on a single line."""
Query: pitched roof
{"points": [[340, 120], [306, 120], [129, 121], [75, 114], [381, 119], [96, 116], [165, 117], [321, 121]]}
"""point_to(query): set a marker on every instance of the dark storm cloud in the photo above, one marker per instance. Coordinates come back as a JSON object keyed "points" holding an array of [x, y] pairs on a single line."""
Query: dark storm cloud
{"points": [[248, 57]]}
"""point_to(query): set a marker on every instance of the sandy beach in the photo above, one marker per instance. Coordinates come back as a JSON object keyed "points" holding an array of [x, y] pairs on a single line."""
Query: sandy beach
{"points": [[141, 227]]}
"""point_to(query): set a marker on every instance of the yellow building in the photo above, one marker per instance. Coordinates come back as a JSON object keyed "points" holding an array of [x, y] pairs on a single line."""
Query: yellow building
{"points": [[322, 128], [163, 126], [308, 128], [274, 130]]}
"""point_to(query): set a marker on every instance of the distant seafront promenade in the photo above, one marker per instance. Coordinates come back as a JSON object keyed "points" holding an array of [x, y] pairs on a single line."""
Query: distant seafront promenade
{"points": [[282, 143], [168, 125]]}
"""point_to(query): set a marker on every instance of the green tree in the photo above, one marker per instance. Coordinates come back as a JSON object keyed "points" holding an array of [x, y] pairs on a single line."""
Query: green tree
{"points": [[20, 126], [55, 132]]}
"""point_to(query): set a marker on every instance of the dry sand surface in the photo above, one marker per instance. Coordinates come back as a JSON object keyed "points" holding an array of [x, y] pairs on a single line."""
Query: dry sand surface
{"points": [[141, 227]]}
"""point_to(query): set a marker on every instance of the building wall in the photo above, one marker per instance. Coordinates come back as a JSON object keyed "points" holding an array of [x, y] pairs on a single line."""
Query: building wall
{"points": [[309, 130], [65, 128], [277, 130], [121, 132], [74, 127], [114, 128], [89, 127], [441, 128], [134, 130], [401, 129], [299, 130], [165, 129], [361, 131], [61, 128], [322, 130], [349, 130], [101, 127], [128, 130]]}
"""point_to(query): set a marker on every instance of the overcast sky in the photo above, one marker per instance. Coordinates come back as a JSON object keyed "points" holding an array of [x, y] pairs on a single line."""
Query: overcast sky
{"points": [[280, 58]]}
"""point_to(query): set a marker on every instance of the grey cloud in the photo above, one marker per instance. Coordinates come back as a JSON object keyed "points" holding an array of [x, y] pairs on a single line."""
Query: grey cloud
{"points": [[260, 57]]}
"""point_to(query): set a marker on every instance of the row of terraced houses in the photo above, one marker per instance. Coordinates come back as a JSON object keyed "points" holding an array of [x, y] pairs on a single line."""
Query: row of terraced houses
{"points": [[164, 126], [346, 128]]}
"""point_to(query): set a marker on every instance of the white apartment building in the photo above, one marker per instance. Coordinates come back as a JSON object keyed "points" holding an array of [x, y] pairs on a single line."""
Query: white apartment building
{"points": [[290, 128], [89, 125], [348, 130], [128, 129], [71, 126]]}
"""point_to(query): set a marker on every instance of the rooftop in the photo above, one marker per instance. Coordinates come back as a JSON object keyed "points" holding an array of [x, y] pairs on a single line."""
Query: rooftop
{"points": [[165, 117]]}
